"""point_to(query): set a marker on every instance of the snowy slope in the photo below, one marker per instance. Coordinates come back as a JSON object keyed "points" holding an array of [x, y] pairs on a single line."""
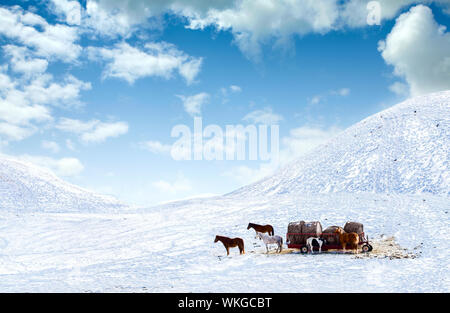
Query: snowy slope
{"points": [[404, 149], [25, 187], [172, 250], [170, 247]]}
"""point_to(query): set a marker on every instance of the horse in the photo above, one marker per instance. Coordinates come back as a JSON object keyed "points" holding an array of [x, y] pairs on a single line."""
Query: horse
{"points": [[348, 238], [231, 243], [261, 228], [271, 239], [314, 241]]}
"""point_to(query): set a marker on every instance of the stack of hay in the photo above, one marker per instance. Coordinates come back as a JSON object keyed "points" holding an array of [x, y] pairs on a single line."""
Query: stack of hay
{"points": [[298, 232], [353, 227], [330, 236]]}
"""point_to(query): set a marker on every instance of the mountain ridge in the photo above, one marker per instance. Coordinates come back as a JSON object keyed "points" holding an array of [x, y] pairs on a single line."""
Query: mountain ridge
{"points": [[27, 187], [402, 149]]}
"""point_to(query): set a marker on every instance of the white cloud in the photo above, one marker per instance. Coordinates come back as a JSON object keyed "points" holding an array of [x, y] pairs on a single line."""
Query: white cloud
{"points": [[225, 91], [300, 141], [69, 10], [156, 147], [23, 62], [255, 22], [61, 167], [43, 90], [252, 22], [193, 104], [106, 21], [181, 184], [235, 88], [70, 145], [265, 116], [400, 89], [13, 132], [92, 131], [315, 99], [76, 126], [49, 41], [343, 92], [16, 106], [24, 101], [354, 12], [105, 130], [50, 145], [155, 59], [419, 50]]}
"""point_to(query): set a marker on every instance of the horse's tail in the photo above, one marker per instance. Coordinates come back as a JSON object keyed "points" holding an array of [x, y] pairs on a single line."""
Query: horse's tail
{"points": [[273, 233]]}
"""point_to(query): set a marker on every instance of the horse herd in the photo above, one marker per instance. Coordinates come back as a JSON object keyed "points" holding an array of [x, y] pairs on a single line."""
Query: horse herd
{"points": [[345, 239], [261, 231]]}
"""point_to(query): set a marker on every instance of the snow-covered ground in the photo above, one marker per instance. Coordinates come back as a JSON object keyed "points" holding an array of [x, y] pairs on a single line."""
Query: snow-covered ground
{"points": [[390, 172], [172, 249]]}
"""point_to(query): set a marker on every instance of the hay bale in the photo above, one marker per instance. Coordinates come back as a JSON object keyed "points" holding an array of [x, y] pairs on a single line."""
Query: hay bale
{"points": [[311, 229], [330, 236], [354, 227], [303, 230], [294, 229]]}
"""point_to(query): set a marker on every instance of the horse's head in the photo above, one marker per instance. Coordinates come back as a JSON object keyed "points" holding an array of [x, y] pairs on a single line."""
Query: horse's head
{"points": [[249, 225], [338, 231], [217, 239]]}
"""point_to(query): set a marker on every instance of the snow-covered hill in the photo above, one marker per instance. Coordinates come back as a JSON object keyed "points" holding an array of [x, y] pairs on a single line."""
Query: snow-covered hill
{"points": [[25, 187], [375, 165], [404, 149]]}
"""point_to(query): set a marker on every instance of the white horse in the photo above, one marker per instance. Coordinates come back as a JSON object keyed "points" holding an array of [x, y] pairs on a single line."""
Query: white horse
{"points": [[270, 240], [309, 243]]}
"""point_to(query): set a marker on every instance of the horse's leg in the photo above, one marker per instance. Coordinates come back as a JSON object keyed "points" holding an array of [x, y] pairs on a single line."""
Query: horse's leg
{"points": [[228, 250], [267, 248]]}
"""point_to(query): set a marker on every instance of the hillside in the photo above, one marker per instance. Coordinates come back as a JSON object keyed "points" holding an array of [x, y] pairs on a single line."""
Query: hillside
{"points": [[25, 187], [404, 149]]}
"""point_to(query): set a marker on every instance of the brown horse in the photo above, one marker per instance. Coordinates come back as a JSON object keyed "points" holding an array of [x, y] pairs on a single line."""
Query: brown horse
{"points": [[231, 243], [261, 228], [348, 238]]}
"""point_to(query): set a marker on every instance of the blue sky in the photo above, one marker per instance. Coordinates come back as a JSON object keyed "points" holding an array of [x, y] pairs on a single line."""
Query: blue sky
{"points": [[92, 89]]}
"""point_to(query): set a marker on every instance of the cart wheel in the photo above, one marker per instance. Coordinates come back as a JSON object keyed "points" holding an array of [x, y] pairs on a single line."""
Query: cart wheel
{"points": [[366, 248], [304, 249]]}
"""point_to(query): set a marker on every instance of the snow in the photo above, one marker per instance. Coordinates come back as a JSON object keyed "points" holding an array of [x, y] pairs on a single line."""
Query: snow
{"points": [[25, 187], [171, 249], [60, 238], [404, 149]]}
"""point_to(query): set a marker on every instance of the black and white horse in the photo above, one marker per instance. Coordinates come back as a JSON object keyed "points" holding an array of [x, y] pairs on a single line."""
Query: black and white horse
{"points": [[315, 242]]}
